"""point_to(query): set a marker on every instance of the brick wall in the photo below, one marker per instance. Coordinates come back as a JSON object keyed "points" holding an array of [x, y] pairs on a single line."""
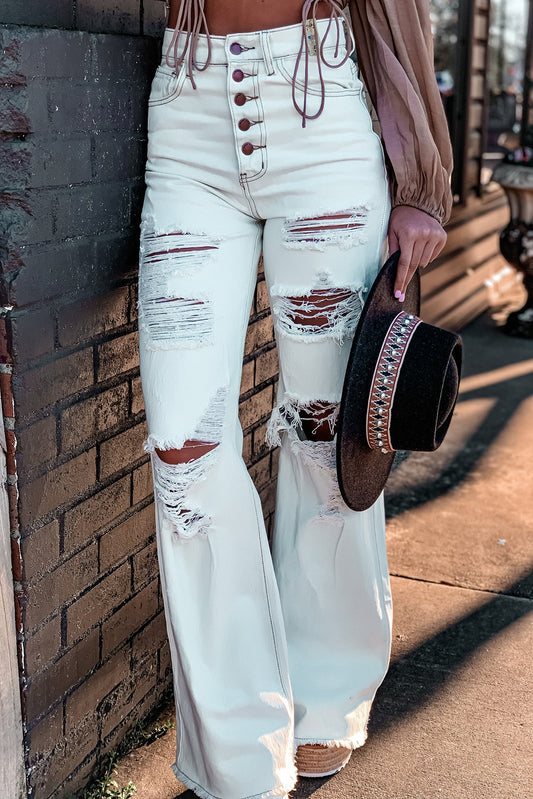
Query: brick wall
{"points": [[92, 639]]}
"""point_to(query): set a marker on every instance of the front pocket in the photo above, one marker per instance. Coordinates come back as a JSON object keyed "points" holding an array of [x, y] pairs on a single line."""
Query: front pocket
{"points": [[337, 80], [166, 85]]}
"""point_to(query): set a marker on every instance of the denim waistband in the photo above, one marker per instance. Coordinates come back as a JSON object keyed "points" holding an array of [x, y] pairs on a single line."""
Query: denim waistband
{"points": [[329, 40]]}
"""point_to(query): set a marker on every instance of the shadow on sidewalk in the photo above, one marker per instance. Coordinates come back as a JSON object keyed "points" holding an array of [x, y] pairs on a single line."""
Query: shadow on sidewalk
{"points": [[498, 376], [414, 679], [498, 370]]}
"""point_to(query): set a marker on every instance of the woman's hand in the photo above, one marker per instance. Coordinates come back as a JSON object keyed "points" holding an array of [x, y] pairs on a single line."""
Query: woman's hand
{"points": [[419, 237]]}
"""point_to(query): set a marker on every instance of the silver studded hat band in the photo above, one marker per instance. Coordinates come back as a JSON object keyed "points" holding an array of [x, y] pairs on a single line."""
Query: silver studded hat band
{"points": [[385, 380]]}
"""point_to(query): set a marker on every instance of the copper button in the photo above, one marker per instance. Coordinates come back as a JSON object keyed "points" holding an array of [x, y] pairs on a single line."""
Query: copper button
{"points": [[247, 148], [240, 99], [245, 124], [237, 75], [236, 48]]}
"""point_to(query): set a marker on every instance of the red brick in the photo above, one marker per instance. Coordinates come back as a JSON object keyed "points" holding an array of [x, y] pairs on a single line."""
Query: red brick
{"points": [[151, 637], [96, 512], [261, 297], [52, 683], [137, 398], [10, 444], [70, 751], [260, 446], [45, 385], [260, 472], [257, 406], [98, 602], [126, 695], [275, 462], [13, 497], [145, 565], [138, 713], [266, 365], [33, 334], [247, 448], [93, 316], [268, 497], [58, 486], [60, 585], [94, 416], [127, 619], [143, 484], [128, 536], [134, 296], [43, 646], [118, 355], [36, 444], [16, 559], [81, 775], [247, 378], [45, 735], [83, 701], [165, 662], [118, 452], [258, 334], [18, 598], [6, 394]]}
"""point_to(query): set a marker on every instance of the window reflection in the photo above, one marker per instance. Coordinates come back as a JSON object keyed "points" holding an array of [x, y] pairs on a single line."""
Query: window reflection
{"points": [[505, 78], [444, 19]]}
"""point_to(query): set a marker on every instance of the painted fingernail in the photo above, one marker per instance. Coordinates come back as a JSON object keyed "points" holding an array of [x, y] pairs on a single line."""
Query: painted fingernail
{"points": [[402, 297], [397, 294]]}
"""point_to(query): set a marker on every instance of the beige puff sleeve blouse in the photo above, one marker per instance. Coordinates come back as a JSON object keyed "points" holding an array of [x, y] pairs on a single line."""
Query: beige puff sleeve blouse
{"points": [[394, 48]]}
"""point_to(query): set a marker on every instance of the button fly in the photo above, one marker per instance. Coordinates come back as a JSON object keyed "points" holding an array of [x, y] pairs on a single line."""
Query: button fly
{"points": [[245, 124], [236, 48], [240, 99], [237, 75], [247, 148]]}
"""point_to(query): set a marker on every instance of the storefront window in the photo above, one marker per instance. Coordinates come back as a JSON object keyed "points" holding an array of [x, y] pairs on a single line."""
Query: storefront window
{"points": [[451, 49], [444, 19], [505, 77]]}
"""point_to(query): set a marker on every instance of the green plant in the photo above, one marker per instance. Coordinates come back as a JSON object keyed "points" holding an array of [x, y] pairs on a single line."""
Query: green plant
{"points": [[103, 786]]}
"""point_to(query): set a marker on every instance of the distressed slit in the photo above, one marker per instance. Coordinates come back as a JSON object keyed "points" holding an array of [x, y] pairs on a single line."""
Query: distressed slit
{"points": [[168, 261], [345, 228]]}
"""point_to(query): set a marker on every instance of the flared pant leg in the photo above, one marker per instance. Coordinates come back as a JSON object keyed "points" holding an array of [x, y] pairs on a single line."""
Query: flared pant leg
{"points": [[330, 562], [234, 708]]}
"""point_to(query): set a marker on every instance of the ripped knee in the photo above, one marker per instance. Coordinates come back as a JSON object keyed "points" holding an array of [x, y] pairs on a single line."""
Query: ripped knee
{"points": [[191, 450], [319, 421], [329, 312], [310, 428], [313, 421], [179, 464]]}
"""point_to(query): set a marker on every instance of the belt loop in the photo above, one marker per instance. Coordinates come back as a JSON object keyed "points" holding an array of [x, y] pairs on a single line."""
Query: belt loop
{"points": [[267, 51]]}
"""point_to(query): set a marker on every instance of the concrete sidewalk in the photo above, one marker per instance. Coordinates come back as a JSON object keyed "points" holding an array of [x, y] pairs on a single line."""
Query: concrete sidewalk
{"points": [[454, 717]]}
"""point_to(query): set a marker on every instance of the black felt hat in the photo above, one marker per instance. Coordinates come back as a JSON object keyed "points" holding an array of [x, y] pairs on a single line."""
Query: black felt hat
{"points": [[400, 388]]}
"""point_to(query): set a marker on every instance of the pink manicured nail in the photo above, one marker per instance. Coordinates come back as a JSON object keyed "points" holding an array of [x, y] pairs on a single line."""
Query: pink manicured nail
{"points": [[397, 294], [402, 297]]}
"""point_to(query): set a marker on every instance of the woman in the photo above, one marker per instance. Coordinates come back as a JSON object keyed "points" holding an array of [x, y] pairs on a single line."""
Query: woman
{"points": [[259, 139]]}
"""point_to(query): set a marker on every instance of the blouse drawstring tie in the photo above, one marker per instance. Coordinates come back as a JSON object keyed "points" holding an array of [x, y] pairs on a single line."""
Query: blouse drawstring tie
{"points": [[191, 18]]}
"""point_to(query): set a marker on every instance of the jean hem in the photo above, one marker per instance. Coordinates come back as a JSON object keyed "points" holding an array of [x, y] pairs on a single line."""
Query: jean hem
{"points": [[354, 742], [280, 792]]}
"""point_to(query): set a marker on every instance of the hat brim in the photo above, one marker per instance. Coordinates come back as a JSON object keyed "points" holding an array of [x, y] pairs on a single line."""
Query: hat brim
{"points": [[362, 472]]}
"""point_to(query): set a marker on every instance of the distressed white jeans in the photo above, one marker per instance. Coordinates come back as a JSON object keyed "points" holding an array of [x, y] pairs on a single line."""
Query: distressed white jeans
{"points": [[268, 651]]}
